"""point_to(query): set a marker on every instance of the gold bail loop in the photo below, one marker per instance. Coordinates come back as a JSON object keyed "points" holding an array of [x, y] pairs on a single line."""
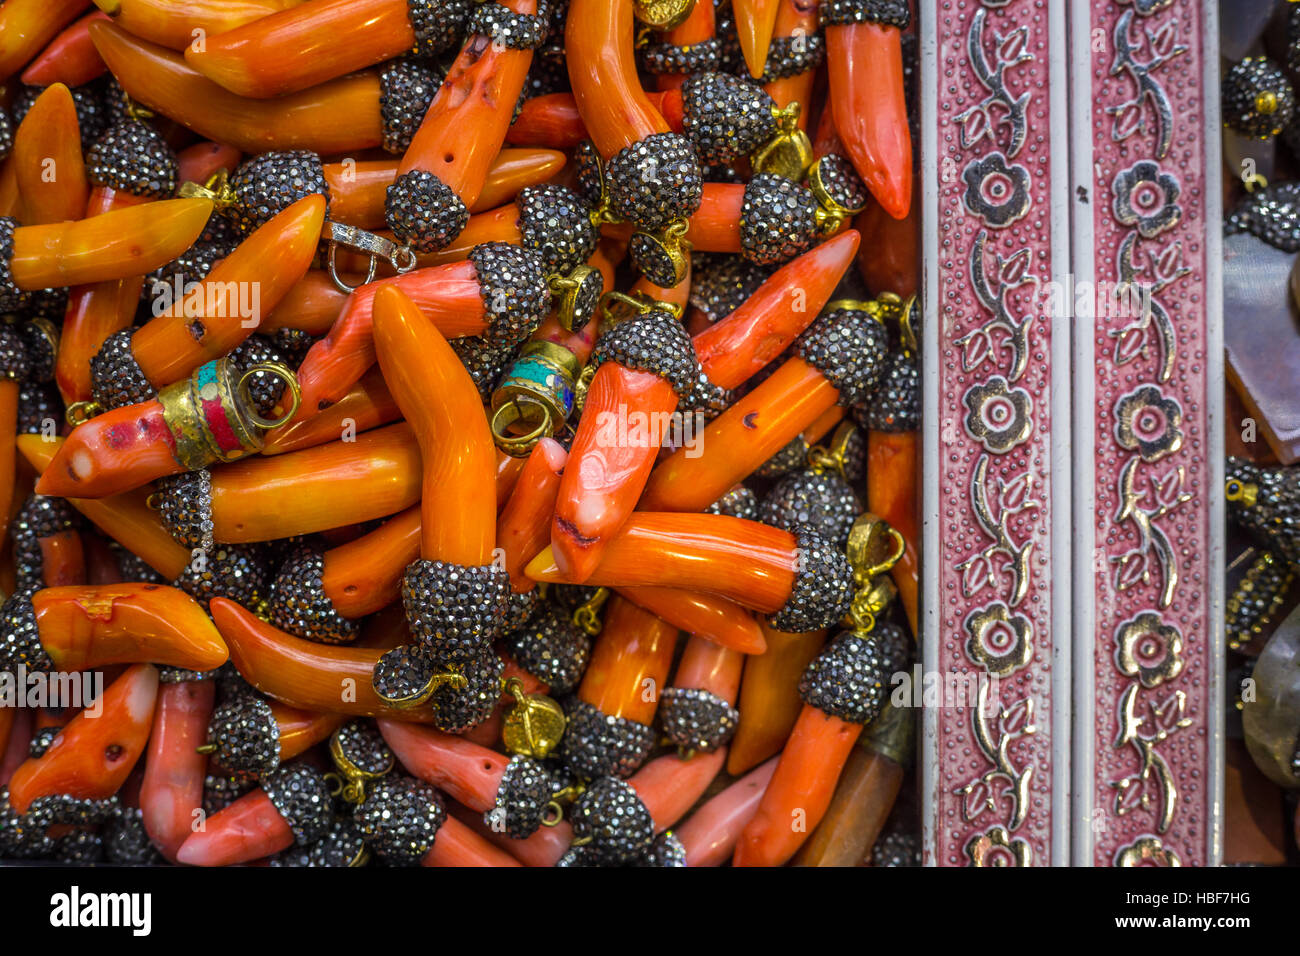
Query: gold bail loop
{"points": [[401, 258], [833, 456], [789, 152], [351, 779], [587, 616], [217, 188], [284, 374], [873, 549], [534, 725], [663, 14]]}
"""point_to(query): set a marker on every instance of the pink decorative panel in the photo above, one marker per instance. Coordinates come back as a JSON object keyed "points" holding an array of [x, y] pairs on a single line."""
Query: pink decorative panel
{"points": [[1148, 452], [997, 491]]}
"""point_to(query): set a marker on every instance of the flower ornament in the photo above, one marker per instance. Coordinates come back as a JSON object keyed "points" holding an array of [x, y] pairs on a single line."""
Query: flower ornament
{"points": [[999, 640], [1148, 423], [1149, 649], [1147, 198], [1145, 8], [1147, 851], [996, 191], [997, 848], [999, 415]]}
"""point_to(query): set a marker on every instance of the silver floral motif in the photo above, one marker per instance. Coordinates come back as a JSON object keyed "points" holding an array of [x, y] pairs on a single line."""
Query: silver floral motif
{"points": [[1149, 649], [999, 416], [998, 848], [1147, 851], [999, 110], [1152, 785], [1153, 547], [997, 728], [996, 192], [995, 288], [994, 509], [1147, 198], [1148, 423], [1149, 109], [999, 640], [1146, 7], [1133, 340]]}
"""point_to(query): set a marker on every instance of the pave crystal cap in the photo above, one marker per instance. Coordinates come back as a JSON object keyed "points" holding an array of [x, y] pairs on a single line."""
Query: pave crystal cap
{"points": [[1258, 99], [185, 507], [520, 608], [555, 222], [672, 58], [697, 720], [41, 741], [400, 819], [739, 502], [666, 850], [722, 282], [848, 346], [13, 353], [359, 744], [1266, 503], [792, 55], [38, 403], [12, 298], [514, 288], [125, 839], [302, 797], [235, 571], [550, 647], [402, 675], [896, 847], [837, 185], [849, 679], [342, 845], [270, 183], [438, 24], [485, 362], [220, 790], [1271, 214], [132, 157], [894, 13], [21, 838], [596, 744], [41, 340], [823, 586], [94, 112], [457, 709], [895, 405], [525, 790], [818, 499], [778, 220], [41, 516], [725, 117], [245, 735], [611, 816], [79, 848], [20, 640], [6, 134], [651, 341], [423, 211], [406, 88], [1253, 605], [454, 612], [116, 379], [300, 606], [655, 181]]}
